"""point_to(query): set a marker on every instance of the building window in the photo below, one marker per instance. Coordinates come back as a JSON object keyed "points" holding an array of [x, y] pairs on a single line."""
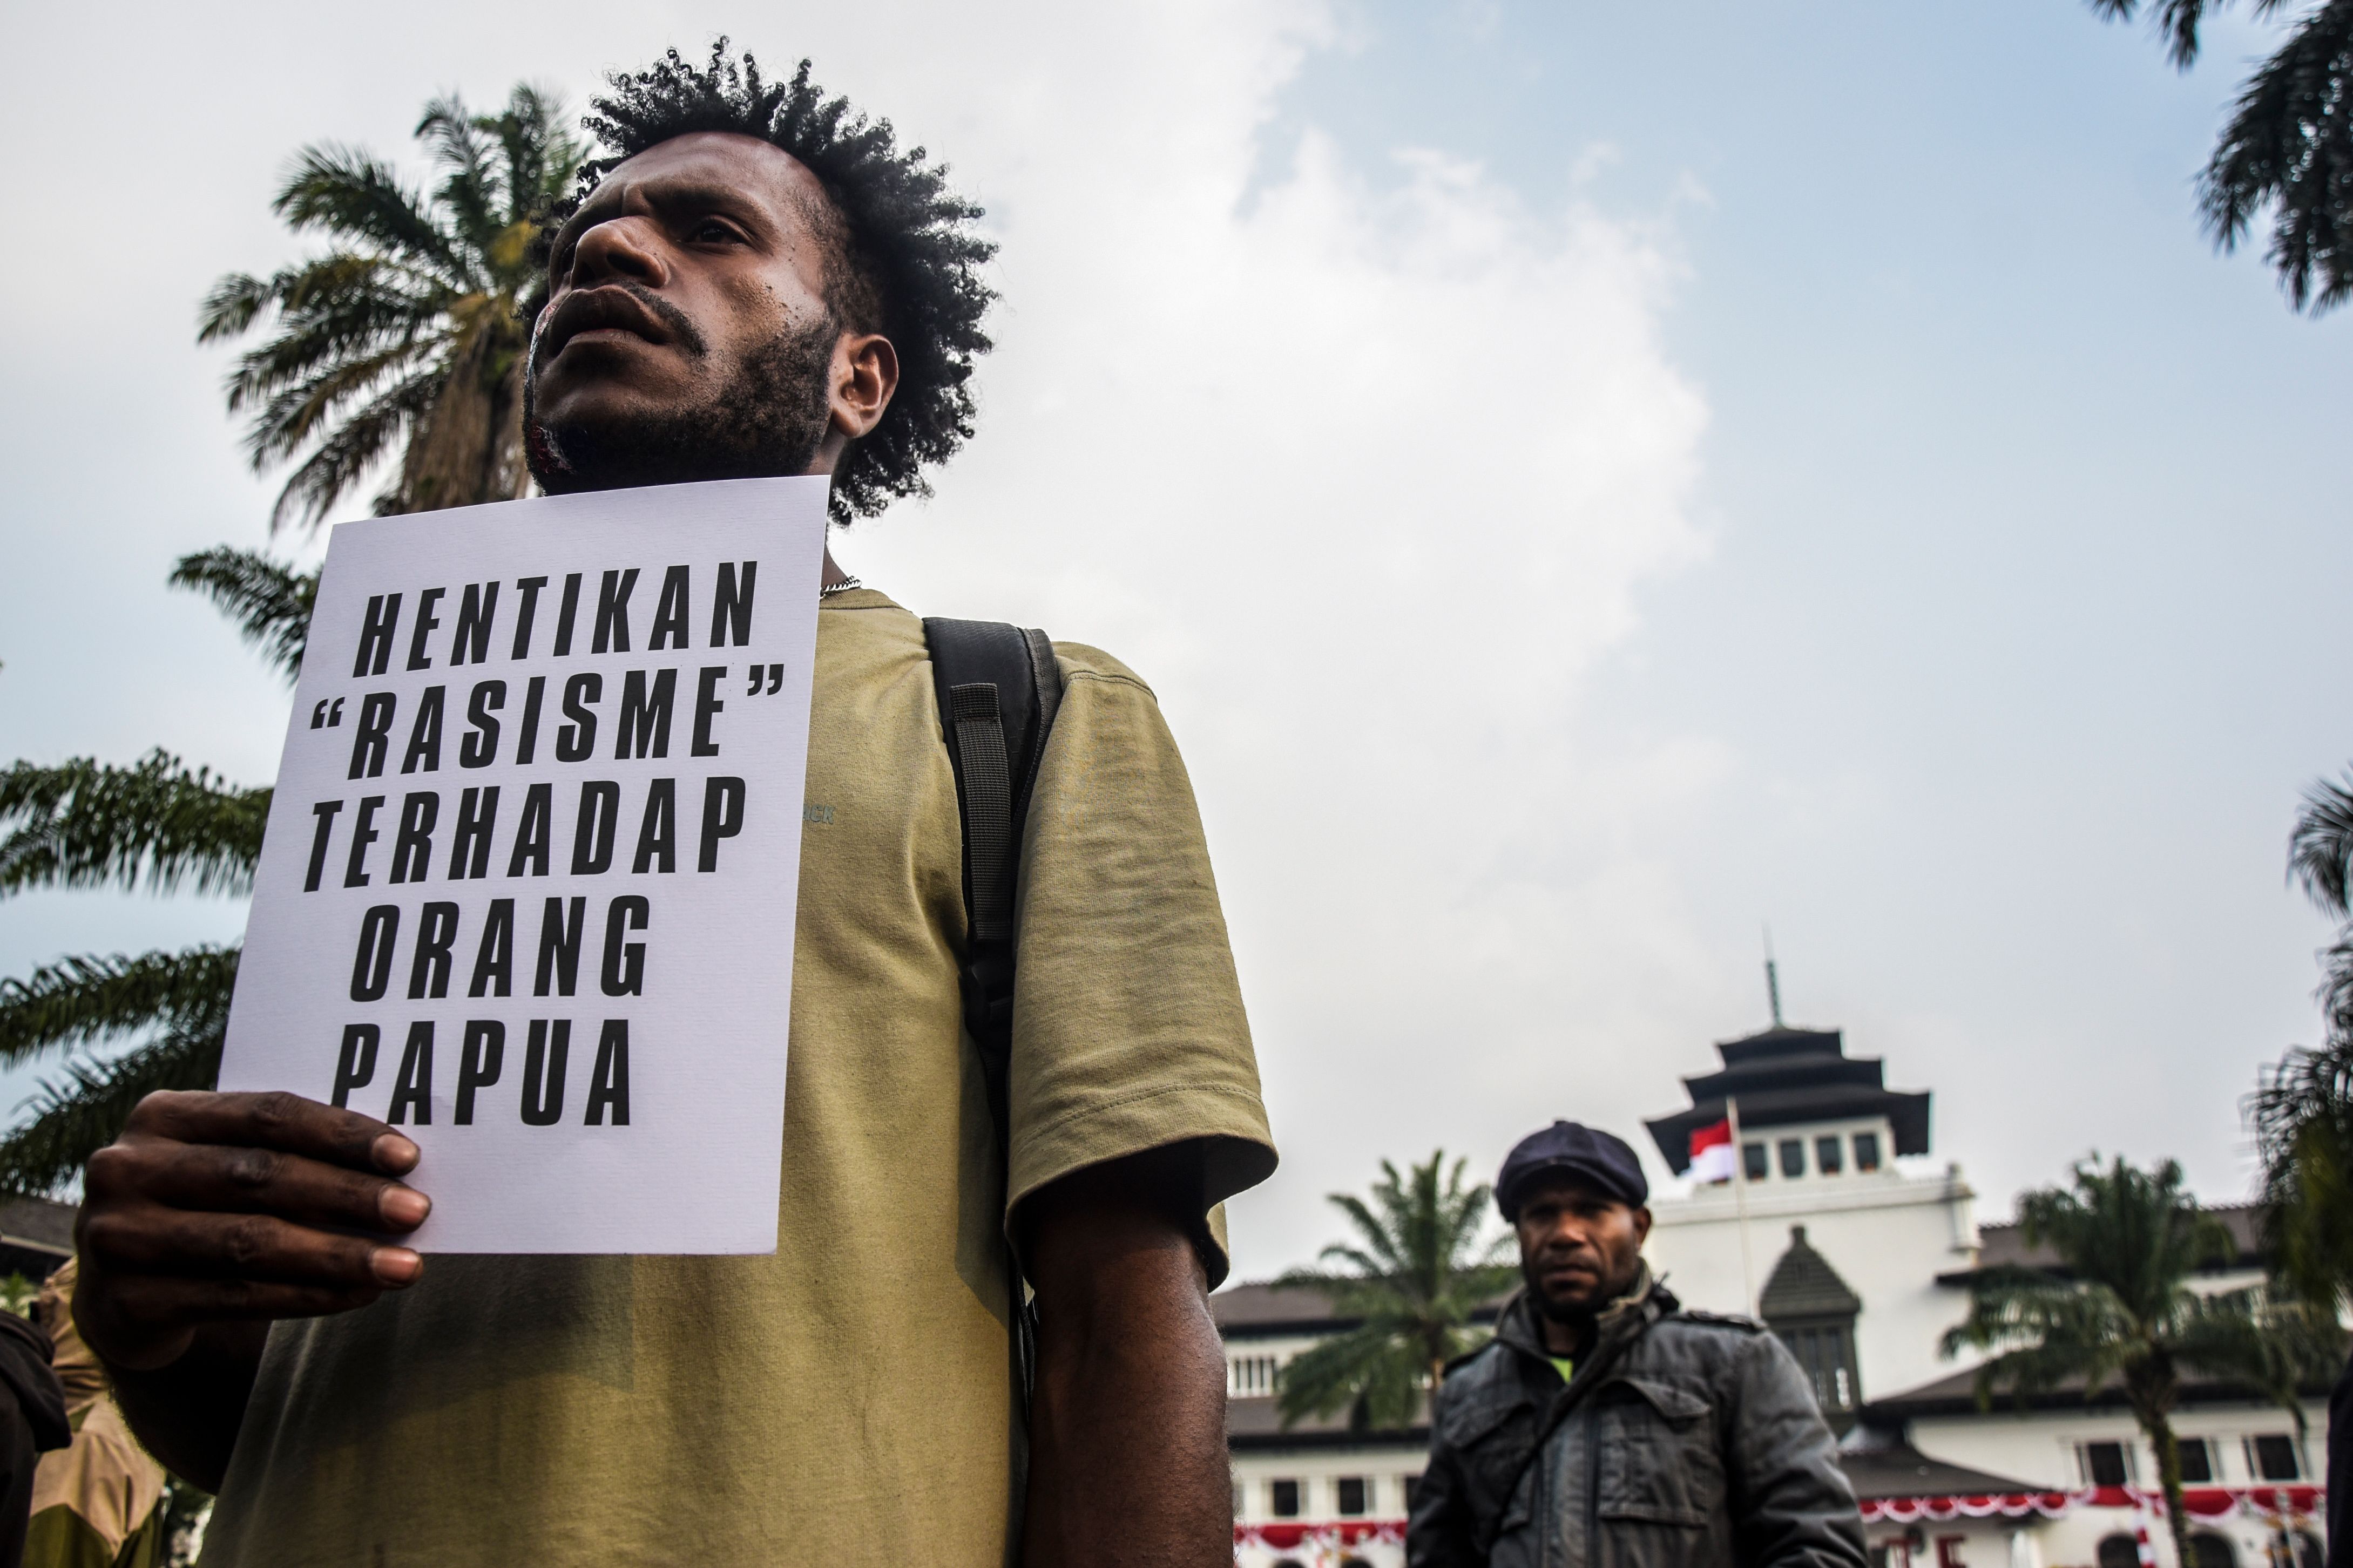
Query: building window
{"points": [[1251, 1374], [1826, 1352], [2309, 1551], [1351, 1490], [1752, 1161], [2105, 1463], [1866, 1151], [1793, 1156], [1826, 1155], [2197, 1462], [2119, 1550], [1282, 1499], [1413, 1485], [2274, 1459]]}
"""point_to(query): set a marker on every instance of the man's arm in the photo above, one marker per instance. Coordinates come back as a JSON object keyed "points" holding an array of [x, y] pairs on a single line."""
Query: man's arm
{"points": [[1127, 1452], [1794, 1506], [212, 1215]]}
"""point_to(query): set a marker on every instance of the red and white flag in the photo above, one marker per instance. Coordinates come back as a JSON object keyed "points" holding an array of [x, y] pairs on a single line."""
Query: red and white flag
{"points": [[1711, 1153]]}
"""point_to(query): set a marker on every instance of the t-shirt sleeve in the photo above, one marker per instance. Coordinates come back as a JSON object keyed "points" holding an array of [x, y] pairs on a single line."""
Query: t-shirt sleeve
{"points": [[1128, 1030]]}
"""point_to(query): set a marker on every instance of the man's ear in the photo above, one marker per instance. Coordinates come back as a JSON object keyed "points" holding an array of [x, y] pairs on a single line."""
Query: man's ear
{"points": [[1642, 1227], [865, 377]]}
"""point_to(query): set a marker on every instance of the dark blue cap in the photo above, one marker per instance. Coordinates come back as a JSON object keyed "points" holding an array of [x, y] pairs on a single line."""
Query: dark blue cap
{"points": [[1599, 1160]]}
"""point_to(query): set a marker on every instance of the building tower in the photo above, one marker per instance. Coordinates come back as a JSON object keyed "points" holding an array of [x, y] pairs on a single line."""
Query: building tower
{"points": [[1820, 1133]]}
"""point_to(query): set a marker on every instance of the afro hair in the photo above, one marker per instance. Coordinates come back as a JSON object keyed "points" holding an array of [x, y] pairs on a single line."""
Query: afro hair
{"points": [[907, 259]]}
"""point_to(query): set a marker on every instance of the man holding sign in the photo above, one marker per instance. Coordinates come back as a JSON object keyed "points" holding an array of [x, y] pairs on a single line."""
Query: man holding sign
{"points": [[756, 284]]}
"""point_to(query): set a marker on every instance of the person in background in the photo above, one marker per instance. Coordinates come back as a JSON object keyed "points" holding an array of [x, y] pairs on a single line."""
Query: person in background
{"points": [[32, 1422], [97, 1503], [1605, 1423]]}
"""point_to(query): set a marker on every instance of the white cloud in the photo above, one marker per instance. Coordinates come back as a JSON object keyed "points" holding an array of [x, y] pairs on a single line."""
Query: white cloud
{"points": [[1362, 468]]}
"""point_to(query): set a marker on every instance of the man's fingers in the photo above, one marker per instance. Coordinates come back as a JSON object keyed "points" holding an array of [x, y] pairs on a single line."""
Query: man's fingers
{"points": [[246, 1250], [283, 1122], [213, 1177], [160, 1304]]}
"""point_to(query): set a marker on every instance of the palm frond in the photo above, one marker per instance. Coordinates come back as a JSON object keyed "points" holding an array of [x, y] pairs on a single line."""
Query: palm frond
{"points": [[2320, 847], [76, 1115], [2289, 146], [83, 824], [270, 601], [352, 196], [2302, 1115], [350, 449], [2175, 22], [1419, 1269], [1359, 1372], [234, 304], [421, 288], [90, 1000]]}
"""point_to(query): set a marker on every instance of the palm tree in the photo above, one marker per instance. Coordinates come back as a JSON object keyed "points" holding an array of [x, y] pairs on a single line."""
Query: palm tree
{"points": [[2288, 146], [1417, 1271], [2119, 1304], [411, 333], [160, 824], [2302, 1111]]}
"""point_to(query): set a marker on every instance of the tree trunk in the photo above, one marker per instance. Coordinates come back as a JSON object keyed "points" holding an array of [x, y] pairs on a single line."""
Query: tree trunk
{"points": [[2152, 1391]]}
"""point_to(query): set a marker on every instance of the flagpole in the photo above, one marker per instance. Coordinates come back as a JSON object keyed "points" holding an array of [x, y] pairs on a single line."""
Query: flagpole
{"points": [[1740, 1198]]}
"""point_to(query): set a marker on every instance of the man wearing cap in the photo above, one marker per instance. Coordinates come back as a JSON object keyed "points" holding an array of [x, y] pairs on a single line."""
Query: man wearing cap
{"points": [[1606, 1425]]}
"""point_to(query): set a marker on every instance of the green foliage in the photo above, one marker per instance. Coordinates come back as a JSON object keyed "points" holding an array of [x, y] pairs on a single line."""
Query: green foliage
{"points": [[16, 1293], [410, 333], [2288, 147], [269, 602], [157, 825], [1416, 1271], [2303, 1116], [83, 824], [2302, 1111], [2119, 1308]]}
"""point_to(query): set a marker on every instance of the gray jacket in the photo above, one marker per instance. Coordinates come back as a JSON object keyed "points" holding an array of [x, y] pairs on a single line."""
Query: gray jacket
{"points": [[1686, 1440]]}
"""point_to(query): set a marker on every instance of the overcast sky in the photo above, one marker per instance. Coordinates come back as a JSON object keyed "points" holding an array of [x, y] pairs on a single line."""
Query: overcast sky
{"points": [[1586, 481]]}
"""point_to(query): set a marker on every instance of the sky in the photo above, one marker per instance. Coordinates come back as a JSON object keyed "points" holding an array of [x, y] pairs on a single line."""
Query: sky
{"points": [[1587, 484]]}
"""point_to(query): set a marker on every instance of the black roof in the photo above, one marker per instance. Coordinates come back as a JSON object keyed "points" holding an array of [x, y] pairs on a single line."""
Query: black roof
{"points": [[1263, 1309], [1251, 1423], [2004, 1245], [1804, 1285], [1956, 1394], [1885, 1466], [1783, 1077], [35, 1235]]}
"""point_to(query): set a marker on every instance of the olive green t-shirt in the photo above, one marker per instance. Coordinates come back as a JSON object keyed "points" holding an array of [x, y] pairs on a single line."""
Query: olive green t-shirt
{"points": [[846, 1401]]}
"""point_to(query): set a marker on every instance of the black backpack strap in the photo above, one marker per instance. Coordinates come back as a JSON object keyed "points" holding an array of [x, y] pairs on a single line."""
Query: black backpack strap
{"points": [[998, 690]]}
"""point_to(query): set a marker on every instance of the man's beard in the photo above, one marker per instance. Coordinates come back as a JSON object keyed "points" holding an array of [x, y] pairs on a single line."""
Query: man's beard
{"points": [[1580, 1315], [769, 418]]}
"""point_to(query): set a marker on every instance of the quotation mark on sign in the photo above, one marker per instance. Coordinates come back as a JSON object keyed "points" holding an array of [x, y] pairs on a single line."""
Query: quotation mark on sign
{"points": [[326, 715], [773, 675]]}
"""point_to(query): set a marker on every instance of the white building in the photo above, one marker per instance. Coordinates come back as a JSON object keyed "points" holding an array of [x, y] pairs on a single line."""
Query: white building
{"points": [[1860, 1263]]}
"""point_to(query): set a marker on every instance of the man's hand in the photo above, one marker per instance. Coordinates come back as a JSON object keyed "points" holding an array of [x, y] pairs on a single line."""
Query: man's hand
{"points": [[1128, 1427], [231, 1207], [213, 1215]]}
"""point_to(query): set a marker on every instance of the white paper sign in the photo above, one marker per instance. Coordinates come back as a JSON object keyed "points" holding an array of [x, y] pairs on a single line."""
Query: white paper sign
{"points": [[528, 888]]}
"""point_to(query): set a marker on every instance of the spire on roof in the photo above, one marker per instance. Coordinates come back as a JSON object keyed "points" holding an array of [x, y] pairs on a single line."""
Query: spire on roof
{"points": [[1804, 1285]]}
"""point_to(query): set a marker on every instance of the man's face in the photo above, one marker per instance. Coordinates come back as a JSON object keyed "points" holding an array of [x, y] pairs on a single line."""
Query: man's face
{"points": [[1578, 1247], [686, 334]]}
